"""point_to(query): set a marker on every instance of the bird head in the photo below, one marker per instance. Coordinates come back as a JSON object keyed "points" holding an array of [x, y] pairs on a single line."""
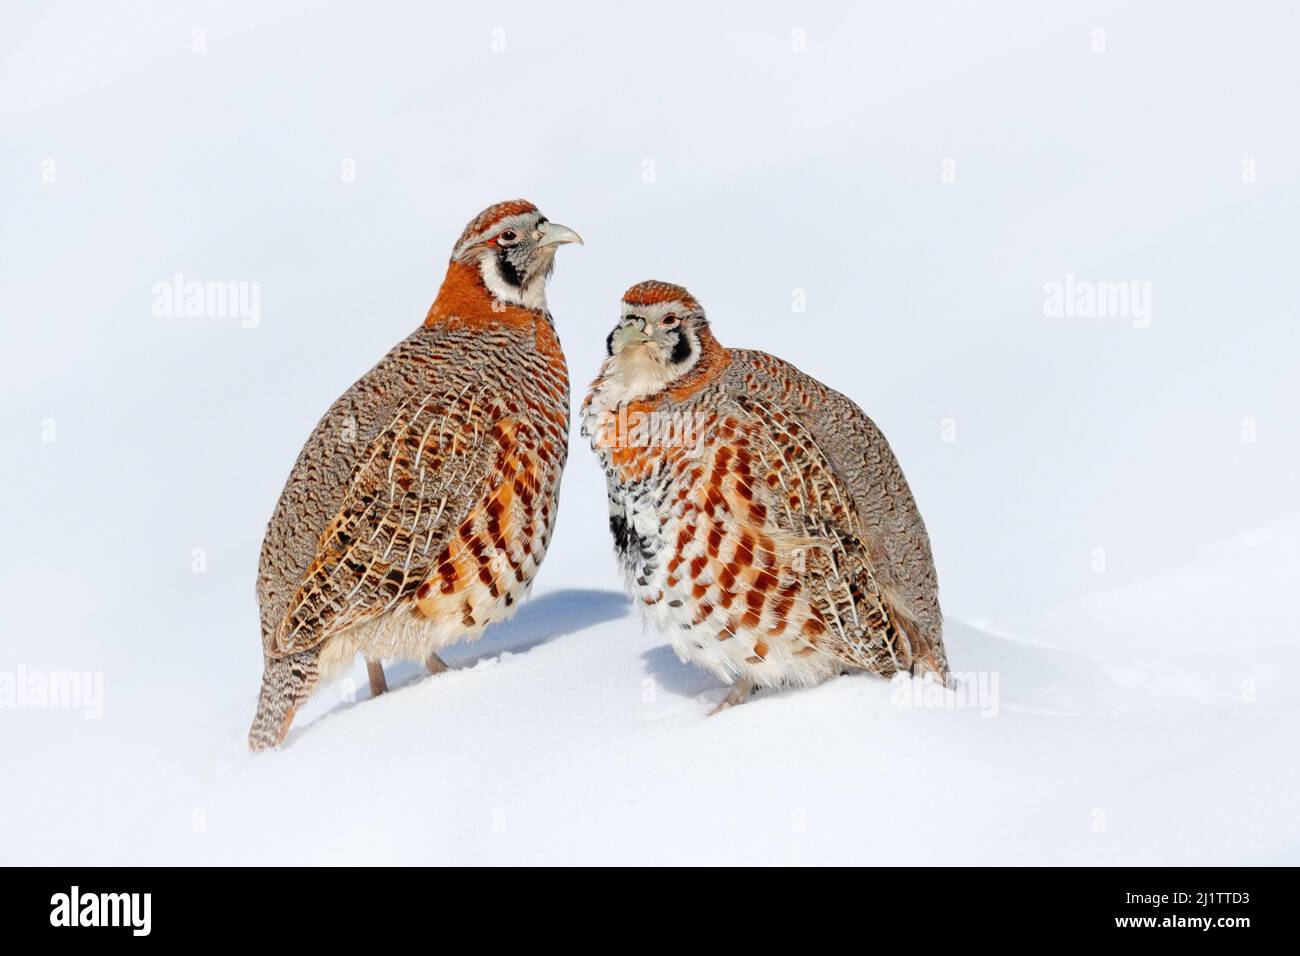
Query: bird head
{"points": [[513, 247], [661, 334]]}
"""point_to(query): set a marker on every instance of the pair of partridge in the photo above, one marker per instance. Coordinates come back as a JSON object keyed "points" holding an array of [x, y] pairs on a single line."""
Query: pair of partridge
{"points": [[760, 518], [422, 504]]}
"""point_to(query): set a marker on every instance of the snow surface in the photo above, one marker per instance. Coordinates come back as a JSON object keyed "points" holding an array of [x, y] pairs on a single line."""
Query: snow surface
{"points": [[1111, 548]]}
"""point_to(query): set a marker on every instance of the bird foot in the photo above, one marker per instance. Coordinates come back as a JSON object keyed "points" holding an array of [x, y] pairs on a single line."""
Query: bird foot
{"points": [[436, 664], [739, 694]]}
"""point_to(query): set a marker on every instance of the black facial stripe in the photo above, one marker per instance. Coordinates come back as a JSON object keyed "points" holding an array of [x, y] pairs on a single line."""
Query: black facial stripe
{"points": [[609, 343], [508, 270], [682, 350]]}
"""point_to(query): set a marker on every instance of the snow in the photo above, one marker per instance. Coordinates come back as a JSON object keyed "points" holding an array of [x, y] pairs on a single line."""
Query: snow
{"points": [[1114, 509]]}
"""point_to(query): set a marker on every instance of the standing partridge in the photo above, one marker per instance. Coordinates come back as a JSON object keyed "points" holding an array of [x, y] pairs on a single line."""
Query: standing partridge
{"points": [[760, 518], [423, 502]]}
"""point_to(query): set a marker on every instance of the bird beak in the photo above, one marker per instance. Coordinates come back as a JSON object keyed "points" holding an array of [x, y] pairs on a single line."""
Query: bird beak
{"points": [[631, 333], [553, 234]]}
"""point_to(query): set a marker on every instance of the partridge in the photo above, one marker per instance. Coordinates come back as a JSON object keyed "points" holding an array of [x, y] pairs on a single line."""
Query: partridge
{"points": [[422, 504], [759, 518]]}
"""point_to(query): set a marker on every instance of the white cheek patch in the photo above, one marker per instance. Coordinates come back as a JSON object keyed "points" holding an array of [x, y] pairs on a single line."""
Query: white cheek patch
{"points": [[681, 368], [531, 295]]}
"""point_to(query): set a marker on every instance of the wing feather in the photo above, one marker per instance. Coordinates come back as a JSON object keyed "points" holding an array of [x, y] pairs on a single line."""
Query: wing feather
{"points": [[805, 500], [455, 482], [889, 524]]}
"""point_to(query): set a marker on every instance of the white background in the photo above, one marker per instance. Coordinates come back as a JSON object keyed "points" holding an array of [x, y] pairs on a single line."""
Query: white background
{"points": [[1110, 541]]}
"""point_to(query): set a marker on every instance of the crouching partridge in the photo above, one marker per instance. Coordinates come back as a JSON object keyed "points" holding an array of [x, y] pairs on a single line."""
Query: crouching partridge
{"points": [[760, 518]]}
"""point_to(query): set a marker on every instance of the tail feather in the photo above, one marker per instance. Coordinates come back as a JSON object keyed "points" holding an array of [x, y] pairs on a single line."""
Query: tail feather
{"points": [[926, 653], [286, 683]]}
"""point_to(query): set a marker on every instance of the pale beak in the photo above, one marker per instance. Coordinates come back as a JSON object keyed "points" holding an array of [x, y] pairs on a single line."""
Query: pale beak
{"points": [[553, 234], [631, 333]]}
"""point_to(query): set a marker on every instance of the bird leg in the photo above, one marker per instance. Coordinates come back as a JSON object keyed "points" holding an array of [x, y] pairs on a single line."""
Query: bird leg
{"points": [[436, 664], [375, 669], [740, 692]]}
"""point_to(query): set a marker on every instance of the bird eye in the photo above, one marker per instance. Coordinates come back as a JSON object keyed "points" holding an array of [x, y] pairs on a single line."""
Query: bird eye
{"points": [[668, 321], [508, 237]]}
